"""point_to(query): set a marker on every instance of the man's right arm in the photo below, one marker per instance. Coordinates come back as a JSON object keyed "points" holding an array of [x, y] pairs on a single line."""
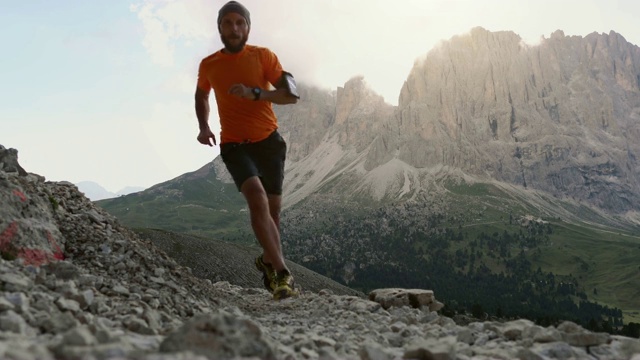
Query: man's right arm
{"points": [[202, 113], [202, 108]]}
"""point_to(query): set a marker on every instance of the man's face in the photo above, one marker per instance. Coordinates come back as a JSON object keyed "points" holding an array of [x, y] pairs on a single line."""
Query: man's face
{"points": [[234, 32]]}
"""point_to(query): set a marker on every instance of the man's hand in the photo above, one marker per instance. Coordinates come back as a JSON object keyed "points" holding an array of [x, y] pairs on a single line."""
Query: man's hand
{"points": [[242, 91], [206, 136]]}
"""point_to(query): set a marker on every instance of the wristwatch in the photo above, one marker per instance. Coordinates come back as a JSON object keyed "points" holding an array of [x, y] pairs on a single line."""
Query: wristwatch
{"points": [[256, 93]]}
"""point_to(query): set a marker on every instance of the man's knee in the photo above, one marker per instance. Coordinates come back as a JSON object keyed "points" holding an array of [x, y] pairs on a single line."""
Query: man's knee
{"points": [[252, 186], [254, 193]]}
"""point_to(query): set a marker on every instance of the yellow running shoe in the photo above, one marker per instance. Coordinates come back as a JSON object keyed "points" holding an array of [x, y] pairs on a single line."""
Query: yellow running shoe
{"points": [[285, 285], [268, 274]]}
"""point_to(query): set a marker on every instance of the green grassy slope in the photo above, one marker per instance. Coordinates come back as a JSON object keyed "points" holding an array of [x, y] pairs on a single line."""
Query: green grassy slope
{"points": [[196, 203], [467, 228]]}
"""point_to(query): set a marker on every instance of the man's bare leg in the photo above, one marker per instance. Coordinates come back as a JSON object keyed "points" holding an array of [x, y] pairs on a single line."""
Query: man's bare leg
{"points": [[274, 211], [275, 202], [265, 226]]}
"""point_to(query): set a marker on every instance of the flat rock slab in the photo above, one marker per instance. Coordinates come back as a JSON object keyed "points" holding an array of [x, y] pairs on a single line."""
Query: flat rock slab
{"points": [[415, 298]]}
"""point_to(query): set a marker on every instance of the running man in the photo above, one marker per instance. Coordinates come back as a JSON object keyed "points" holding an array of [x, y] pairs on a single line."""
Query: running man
{"points": [[253, 151]]}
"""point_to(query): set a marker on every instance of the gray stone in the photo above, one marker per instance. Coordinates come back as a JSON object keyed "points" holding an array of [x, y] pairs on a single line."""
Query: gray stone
{"points": [[12, 322], [59, 322], [67, 305], [140, 326], [322, 341], [26, 351], [586, 339], [9, 161], [15, 282], [220, 336], [64, 270], [395, 297], [19, 300], [559, 350], [67, 288], [466, 336], [432, 349], [6, 305], [549, 334], [121, 290], [514, 330], [624, 346], [372, 351], [84, 298], [116, 350], [79, 336]]}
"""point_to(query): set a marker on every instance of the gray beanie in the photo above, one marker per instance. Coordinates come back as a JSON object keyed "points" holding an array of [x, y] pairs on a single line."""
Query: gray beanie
{"points": [[234, 7]]}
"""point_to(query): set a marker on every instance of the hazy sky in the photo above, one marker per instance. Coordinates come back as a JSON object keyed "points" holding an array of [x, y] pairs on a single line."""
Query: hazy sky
{"points": [[102, 90]]}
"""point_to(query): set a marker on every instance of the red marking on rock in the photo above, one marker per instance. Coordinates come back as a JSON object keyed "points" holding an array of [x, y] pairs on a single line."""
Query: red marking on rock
{"points": [[35, 257], [8, 234], [20, 194], [57, 251]]}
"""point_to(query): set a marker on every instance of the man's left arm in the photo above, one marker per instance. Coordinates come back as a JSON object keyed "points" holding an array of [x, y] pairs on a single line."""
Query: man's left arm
{"points": [[285, 91], [285, 85], [281, 95]]}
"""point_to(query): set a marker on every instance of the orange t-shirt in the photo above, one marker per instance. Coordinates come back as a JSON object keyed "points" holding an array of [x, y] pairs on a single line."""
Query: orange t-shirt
{"points": [[241, 119]]}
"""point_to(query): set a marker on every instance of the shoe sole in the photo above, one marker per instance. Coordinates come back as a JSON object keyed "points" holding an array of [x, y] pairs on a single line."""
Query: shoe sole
{"points": [[283, 293]]}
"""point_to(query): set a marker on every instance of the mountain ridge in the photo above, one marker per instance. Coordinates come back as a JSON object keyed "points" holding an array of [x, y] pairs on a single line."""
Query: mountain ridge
{"points": [[529, 131], [95, 191]]}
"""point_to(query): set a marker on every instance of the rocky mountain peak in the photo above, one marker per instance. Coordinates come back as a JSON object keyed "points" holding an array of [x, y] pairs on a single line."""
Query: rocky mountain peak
{"points": [[558, 34], [9, 161], [561, 116], [361, 114], [551, 116], [355, 98]]}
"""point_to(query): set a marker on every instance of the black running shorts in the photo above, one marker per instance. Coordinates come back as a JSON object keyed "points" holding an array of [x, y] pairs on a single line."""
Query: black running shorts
{"points": [[264, 159]]}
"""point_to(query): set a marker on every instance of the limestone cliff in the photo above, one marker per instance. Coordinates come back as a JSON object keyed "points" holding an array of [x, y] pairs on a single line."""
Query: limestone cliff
{"points": [[562, 116], [307, 122]]}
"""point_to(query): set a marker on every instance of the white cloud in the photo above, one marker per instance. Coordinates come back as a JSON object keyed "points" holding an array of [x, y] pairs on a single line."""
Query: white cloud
{"points": [[328, 42], [156, 38], [186, 19], [167, 22]]}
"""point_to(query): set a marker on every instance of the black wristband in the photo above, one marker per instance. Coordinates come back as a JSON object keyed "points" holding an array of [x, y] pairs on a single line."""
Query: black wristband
{"points": [[256, 93]]}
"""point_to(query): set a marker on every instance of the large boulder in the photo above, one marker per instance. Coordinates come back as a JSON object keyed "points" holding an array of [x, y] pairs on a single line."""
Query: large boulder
{"points": [[396, 297], [27, 227], [220, 336]]}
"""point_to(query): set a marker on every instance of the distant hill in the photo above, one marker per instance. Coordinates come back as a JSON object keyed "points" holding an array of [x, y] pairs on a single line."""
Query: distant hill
{"points": [[95, 191], [222, 261]]}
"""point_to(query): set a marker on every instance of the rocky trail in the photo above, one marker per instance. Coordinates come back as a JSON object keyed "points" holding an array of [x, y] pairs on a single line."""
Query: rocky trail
{"points": [[75, 284]]}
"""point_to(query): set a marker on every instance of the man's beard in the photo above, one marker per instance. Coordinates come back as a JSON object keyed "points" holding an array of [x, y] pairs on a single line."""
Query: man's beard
{"points": [[233, 48]]}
